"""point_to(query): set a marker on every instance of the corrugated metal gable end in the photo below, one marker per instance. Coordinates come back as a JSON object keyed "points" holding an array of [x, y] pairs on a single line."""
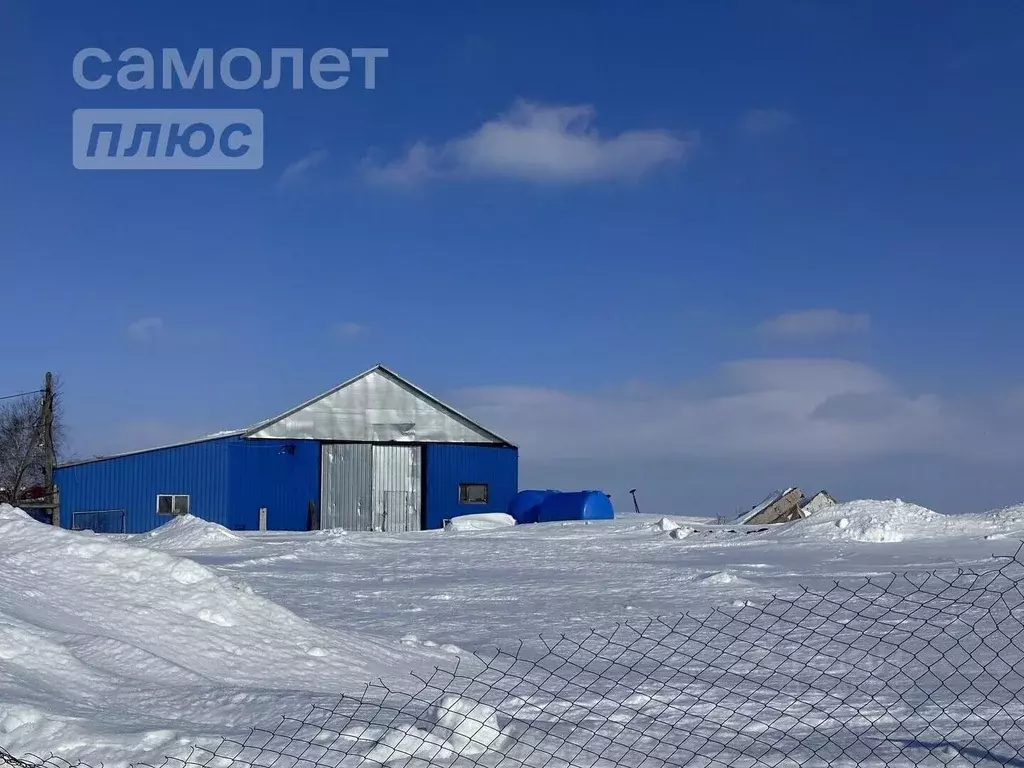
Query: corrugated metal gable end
{"points": [[376, 406]]}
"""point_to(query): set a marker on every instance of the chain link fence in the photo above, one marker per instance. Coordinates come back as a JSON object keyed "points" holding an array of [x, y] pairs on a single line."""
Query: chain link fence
{"points": [[919, 669]]}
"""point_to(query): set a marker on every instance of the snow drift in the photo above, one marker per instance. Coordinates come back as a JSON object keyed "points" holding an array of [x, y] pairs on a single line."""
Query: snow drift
{"points": [[870, 521], [485, 521], [187, 533], [84, 620], [455, 727]]}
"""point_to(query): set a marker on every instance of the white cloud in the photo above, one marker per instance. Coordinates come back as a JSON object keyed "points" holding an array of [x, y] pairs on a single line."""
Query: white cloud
{"points": [[146, 328], [763, 410], [348, 330], [815, 323], [417, 166], [533, 142], [300, 168], [763, 123]]}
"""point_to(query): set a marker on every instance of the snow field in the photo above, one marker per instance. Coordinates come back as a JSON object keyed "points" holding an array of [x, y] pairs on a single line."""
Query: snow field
{"points": [[136, 647], [710, 691]]}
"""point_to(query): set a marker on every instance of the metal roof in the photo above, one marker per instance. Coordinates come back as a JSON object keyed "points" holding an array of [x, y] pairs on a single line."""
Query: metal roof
{"points": [[193, 441], [379, 368]]}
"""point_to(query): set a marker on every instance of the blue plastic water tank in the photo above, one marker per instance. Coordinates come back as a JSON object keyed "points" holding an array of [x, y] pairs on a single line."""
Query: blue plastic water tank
{"points": [[576, 505], [525, 505]]}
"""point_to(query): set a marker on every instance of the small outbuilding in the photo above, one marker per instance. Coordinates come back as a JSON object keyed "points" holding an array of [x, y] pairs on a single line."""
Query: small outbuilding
{"points": [[375, 453]]}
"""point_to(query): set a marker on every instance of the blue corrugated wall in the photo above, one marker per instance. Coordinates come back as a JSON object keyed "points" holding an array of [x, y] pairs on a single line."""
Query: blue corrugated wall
{"points": [[265, 473], [229, 479], [132, 483], [449, 465]]}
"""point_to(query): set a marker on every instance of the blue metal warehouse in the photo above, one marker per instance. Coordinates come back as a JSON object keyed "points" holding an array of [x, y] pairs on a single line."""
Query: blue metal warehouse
{"points": [[375, 453]]}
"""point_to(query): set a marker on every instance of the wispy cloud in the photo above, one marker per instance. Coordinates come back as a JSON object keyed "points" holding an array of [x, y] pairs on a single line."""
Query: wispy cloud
{"points": [[298, 170], [146, 328], [348, 330], [814, 324], [771, 410], [538, 143], [764, 123]]}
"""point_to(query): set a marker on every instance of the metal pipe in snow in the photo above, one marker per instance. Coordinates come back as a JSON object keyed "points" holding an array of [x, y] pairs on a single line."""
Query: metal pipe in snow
{"points": [[635, 505]]}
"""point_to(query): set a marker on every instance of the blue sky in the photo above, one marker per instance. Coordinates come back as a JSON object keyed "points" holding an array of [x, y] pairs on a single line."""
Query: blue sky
{"points": [[705, 248]]}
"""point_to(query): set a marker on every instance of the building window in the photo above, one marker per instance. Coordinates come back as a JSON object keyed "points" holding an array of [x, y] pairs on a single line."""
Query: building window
{"points": [[472, 493], [172, 504]]}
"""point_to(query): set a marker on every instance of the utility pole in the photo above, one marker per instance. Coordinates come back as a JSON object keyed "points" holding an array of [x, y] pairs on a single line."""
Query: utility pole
{"points": [[49, 460]]}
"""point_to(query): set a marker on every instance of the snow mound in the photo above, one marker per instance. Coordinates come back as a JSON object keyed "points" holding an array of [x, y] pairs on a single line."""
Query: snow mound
{"points": [[7, 512], [457, 727], [487, 521], [874, 530], [873, 521], [188, 533], [672, 528], [446, 648], [1007, 517], [171, 607], [87, 618], [723, 578], [472, 728], [1002, 523]]}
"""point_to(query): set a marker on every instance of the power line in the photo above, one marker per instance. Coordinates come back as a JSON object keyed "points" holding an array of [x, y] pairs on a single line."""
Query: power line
{"points": [[22, 394]]}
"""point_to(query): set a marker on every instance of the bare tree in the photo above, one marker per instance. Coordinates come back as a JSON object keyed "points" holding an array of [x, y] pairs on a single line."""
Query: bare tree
{"points": [[24, 445]]}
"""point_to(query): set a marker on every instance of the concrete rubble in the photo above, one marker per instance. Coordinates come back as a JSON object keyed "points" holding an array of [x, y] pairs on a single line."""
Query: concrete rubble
{"points": [[786, 506]]}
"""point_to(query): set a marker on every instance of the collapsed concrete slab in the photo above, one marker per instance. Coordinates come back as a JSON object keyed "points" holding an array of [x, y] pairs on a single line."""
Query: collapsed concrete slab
{"points": [[819, 501], [785, 506]]}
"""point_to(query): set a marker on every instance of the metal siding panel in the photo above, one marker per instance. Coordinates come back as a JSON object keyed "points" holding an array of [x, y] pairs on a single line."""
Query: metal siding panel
{"points": [[132, 483], [281, 475], [449, 465], [397, 485], [345, 486]]}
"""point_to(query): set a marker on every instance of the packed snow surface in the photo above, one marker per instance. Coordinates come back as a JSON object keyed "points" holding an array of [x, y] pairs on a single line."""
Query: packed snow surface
{"points": [[132, 648]]}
